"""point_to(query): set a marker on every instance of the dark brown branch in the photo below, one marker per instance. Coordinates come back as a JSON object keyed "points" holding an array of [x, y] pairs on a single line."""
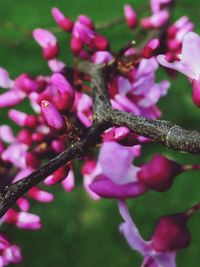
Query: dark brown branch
{"points": [[12, 192], [101, 102], [166, 133]]}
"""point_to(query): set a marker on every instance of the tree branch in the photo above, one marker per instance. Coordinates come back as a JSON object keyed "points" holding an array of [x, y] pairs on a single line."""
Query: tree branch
{"points": [[12, 192], [165, 132]]}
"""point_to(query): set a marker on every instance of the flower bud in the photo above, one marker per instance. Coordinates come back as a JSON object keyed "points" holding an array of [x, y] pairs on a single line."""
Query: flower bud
{"points": [[23, 204], [150, 48], [32, 161], [65, 23], [24, 136], [40, 195], [155, 21], [76, 45], [69, 182], [171, 233], [158, 174], [102, 57], [86, 21], [58, 146], [130, 16], [26, 83], [53, 117], [65, 98], [23, 219], [58, 176], [100, 43], [47, 41], [11, 98]]}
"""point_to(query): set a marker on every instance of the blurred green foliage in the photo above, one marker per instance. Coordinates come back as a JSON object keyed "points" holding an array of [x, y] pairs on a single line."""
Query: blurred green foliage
{"points": [[78, 232]]}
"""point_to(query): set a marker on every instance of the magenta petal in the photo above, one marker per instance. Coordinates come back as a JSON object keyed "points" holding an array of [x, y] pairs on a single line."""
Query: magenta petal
{"points": [[44, 38], [11, 98], [191, 52], [130, 231], [166, 259], [104, 187], [116, 163], [5, 81], [53, 117], [61, 83]]}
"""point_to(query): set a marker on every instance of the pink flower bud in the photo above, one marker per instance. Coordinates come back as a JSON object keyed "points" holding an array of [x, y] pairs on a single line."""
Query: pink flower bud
{"points": [[150, 48], [65, 23], [56, 65], [158, 174], [155, 21], [32, 161], [47, 41], [24, 136], [76, 45], [58, 146], [130, 16], [66, 95], [6, 134], [86, 21], [31, 121], [69, 182], [83, 32], [196, 92], [12, 254], [53, 117], [28, 221], [26, 83], [102, 57], [100, 43], [5, 81], [17, 116], [23, 220], [58, 176], [11, 98], [23, 204], [171, 233], [40, 195]]}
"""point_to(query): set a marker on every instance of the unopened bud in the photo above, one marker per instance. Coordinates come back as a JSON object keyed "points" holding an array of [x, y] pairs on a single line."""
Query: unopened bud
{"points": [[158, 174], [171, 233]]}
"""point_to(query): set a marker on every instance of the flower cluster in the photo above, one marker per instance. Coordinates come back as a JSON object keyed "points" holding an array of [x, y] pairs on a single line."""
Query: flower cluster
{"points": [[61, 109]]}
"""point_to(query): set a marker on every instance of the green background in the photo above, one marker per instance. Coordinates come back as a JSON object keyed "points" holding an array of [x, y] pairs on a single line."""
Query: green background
{"points": [[78, 232]]}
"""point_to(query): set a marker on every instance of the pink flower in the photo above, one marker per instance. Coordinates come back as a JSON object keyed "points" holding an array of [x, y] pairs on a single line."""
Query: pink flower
{"points": [[83, 108], [53, 117], [189, 63], [69, 182], [6, 134], [140, 92], [118, 176], [64, 22], [152, 257], [157, 20], [23, 219], [11, 98], [5, 81], [40, 195], [66, 93], [102, 57], [15, 154], [47, 41], [156, 5], [58, 176], [130, 16], [27, 84], [56, 65]]}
